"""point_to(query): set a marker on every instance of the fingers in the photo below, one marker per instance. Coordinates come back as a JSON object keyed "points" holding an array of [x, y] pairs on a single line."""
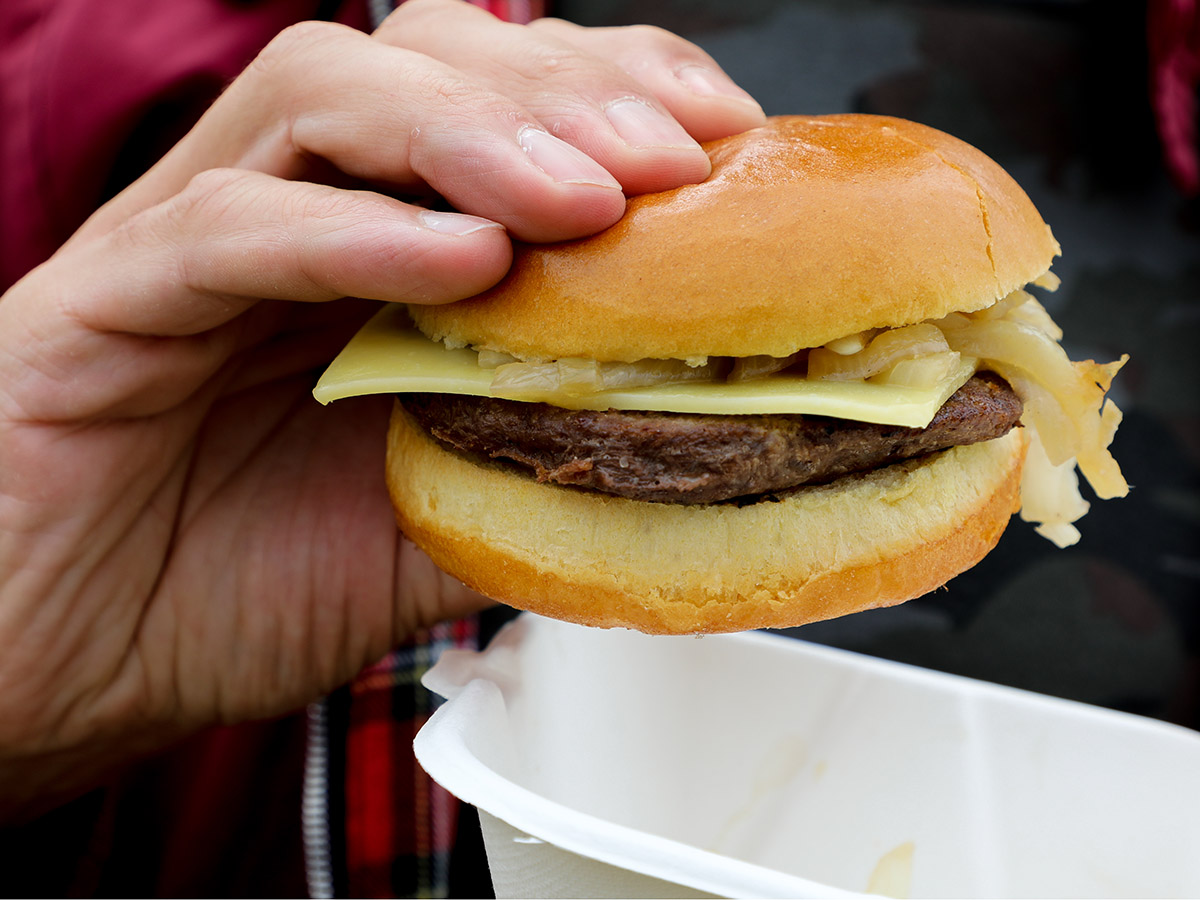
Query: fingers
{"points": [[578, 96], [188, 268], [389, 116], [539, 128], [688, 82], [232, 237]]}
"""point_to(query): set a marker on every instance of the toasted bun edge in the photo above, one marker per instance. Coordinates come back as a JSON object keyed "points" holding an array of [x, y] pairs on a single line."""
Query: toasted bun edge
{"points": [[862, 542]]}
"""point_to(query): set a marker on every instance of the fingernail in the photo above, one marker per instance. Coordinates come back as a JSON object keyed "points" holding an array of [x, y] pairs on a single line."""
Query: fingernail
{"points": [[640, 125], [454, 223], [561, 161], [708, 83]]}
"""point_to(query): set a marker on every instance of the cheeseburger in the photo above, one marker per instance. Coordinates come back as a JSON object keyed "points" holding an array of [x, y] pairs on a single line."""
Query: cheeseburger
{"points": [[815, 383]]}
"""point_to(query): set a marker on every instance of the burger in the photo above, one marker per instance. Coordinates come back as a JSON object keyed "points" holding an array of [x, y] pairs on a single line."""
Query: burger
{"points": [[816, 383]]}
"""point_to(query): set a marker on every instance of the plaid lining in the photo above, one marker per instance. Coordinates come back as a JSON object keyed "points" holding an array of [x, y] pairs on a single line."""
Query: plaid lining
{"points": [[400, 825], [390, 828]]}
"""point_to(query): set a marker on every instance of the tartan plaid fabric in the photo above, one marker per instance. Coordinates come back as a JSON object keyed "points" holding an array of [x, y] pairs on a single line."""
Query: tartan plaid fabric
{"points": [[399, 824]]}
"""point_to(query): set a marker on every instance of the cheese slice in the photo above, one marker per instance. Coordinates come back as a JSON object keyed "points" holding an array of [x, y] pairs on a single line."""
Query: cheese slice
{"points": [[390, 356]]}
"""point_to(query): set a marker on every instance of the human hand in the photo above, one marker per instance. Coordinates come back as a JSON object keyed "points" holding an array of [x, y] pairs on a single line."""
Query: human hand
{"points": [[186, 537]]}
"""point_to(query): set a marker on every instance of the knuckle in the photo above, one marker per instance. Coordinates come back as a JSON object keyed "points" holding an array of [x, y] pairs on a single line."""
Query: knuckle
{"points": [[418, 24], [648, 45], [415, 9], [293, 45], [594, 78], [655, 38], [546, 60], [323, 208], [208, 194], [558, 28], [439, 83], [209, 182], [208, 206]]}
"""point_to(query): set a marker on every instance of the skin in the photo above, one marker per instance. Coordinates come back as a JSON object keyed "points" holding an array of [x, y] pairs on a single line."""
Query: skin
{"points": [[186, 537]]}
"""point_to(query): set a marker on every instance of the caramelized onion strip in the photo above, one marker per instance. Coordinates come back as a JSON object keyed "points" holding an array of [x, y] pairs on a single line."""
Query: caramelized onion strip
{"points": [[883, 352], [577, 377]]}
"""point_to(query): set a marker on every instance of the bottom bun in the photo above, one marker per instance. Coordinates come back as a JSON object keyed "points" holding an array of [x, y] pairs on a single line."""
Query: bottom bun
{"points": [[861, 542]]}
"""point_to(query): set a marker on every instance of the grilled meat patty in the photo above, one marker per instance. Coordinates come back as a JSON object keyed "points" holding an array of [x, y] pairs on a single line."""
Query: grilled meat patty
{"points": [[690, 458]]}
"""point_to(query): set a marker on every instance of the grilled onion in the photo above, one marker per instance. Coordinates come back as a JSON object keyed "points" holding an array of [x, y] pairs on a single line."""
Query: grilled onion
{"points": [[1069, 419], [883, 352], [578, 377], [748, 367]]}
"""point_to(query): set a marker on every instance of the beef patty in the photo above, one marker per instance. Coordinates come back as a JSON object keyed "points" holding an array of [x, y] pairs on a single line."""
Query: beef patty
{"points": [[691, 458]]}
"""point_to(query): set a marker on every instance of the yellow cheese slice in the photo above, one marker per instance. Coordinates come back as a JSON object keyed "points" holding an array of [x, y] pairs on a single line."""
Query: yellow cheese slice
{"points": [[390, 356]]}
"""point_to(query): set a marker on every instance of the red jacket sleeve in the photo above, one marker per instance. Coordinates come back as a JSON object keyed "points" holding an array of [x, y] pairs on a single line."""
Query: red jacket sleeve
{"points": [[91, 93]]}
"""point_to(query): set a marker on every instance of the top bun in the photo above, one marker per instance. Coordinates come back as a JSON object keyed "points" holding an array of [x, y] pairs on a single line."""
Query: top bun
{"points": [[809, 229]]}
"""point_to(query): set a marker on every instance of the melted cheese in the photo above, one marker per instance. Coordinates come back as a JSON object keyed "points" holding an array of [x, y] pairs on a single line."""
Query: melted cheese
{"points": [[390, 356]]}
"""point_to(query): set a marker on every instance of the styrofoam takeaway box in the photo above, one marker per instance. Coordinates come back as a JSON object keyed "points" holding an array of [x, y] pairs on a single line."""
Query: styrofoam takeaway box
{"points": [[612, 763]]}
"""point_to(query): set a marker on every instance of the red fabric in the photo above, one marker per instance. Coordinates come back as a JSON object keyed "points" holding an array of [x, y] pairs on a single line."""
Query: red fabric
{"points": [[514, 10], [92, 93], [371, 788], [400, 825], [1173, 31]]}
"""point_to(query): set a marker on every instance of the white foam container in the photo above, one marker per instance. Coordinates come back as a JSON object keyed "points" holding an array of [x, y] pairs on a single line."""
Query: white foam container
{"points": [[617, 764]]}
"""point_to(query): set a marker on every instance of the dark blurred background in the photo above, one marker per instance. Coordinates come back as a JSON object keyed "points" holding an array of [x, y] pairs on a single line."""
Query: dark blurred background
{"points": [[1059, 93]]}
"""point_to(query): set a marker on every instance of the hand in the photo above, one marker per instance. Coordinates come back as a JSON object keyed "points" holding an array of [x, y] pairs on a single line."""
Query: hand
{"points": [[186, 537]]}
